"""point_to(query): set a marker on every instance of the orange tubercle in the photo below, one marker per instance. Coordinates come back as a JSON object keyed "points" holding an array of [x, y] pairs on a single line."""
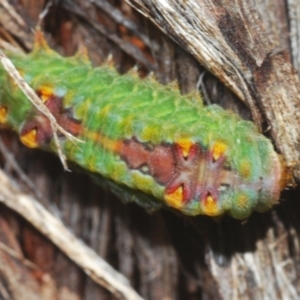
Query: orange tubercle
{"points": [[29, 139], [175, 198], [185, 145], [210, 206], [45, 92], [218, 150], [105, 142], [245, 169], [3, 114], [242, 201]]}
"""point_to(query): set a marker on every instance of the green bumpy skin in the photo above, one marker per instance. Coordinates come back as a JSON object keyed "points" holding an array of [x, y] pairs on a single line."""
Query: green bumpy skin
{"points": [[144, 136]]}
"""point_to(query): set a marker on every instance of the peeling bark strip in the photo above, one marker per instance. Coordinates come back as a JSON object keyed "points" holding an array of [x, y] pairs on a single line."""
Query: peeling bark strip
{"points": [[293, 9], [229, 39], [283, 108]]}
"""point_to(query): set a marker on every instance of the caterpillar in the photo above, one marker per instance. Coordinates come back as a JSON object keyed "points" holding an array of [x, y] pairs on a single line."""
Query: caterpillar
{"points": [[145, 139]]}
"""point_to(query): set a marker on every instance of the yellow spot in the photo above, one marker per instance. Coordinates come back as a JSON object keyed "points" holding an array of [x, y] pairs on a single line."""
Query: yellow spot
{"points": [[29, 139], [210, 206], [46, 92], [218, 150], [3, 114], [141, 182], [242, 202], [245, 169], [185, 144], [151, 133], [175, 199], [104, 141]]}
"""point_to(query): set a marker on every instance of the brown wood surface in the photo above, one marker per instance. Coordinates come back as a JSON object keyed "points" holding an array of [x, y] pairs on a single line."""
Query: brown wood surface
{"points": [[242, 53]]}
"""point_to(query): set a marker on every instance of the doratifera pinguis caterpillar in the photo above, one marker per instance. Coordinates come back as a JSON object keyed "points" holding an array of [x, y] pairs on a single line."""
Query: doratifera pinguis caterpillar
{"points": [[144, 136]]}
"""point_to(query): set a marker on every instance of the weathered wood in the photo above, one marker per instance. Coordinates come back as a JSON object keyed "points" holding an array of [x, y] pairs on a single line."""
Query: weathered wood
{"points": [[293, 11], [17, 274], [52, 228]]}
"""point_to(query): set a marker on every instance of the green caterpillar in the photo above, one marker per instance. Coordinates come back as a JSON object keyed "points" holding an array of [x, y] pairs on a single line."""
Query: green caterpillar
{"points": [[143, 137]]}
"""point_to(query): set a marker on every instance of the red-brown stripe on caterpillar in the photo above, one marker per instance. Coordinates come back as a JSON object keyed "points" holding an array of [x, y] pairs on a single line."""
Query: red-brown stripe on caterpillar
{"points": [[158, 161], [185, 169]]}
